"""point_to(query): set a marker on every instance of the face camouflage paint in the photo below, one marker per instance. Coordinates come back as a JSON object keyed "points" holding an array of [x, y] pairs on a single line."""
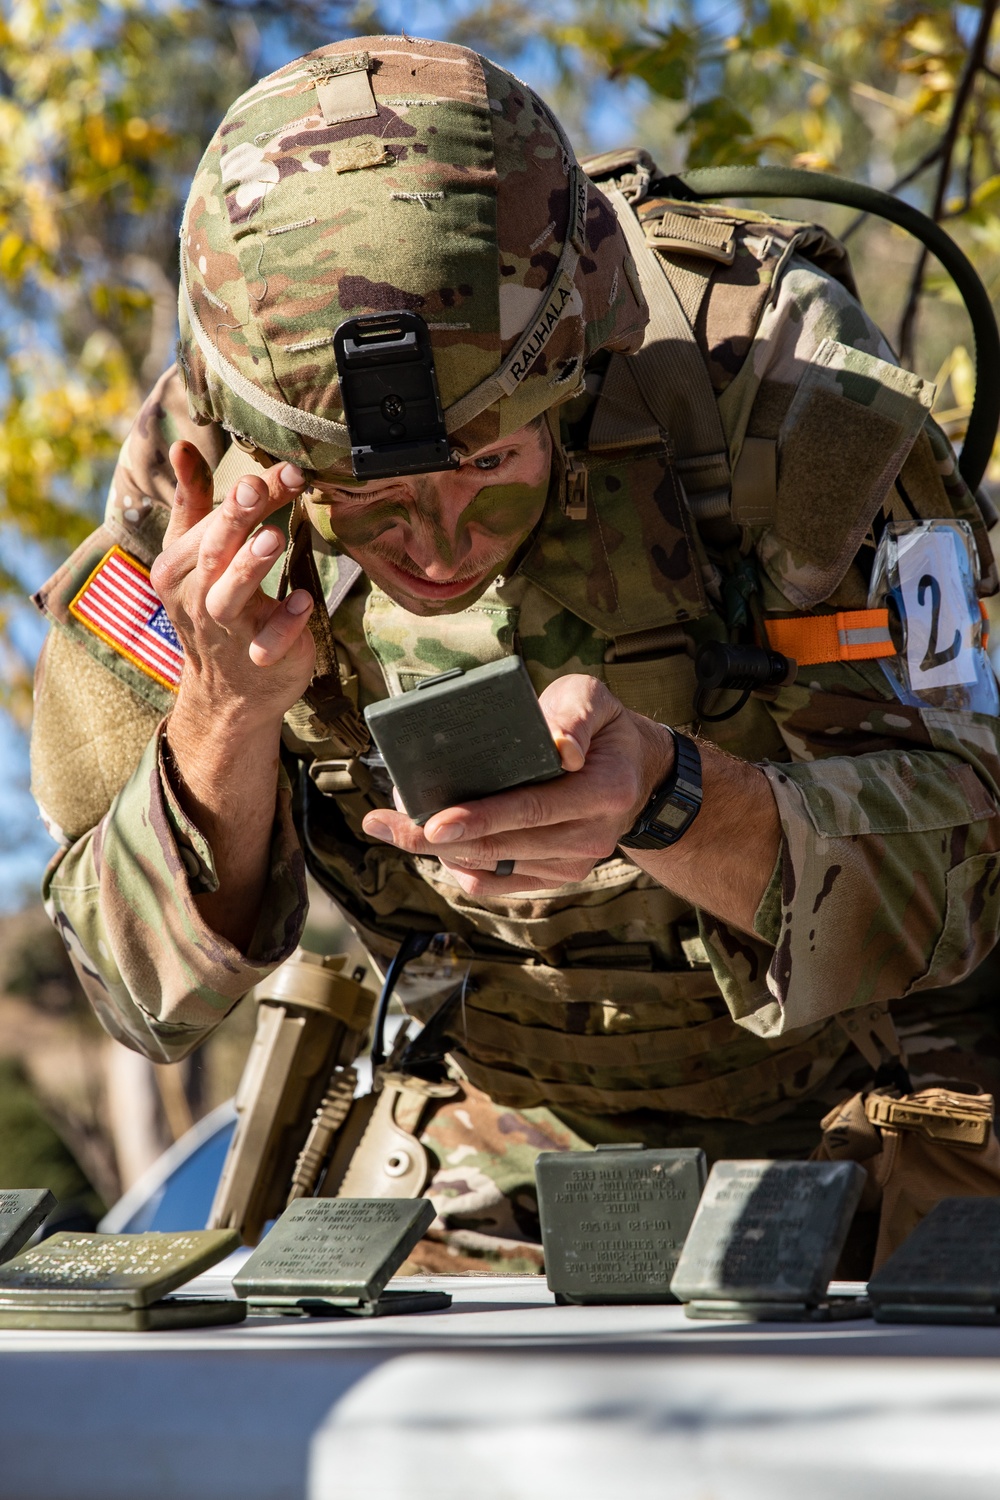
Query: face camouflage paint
{"points": [[422, 538]]}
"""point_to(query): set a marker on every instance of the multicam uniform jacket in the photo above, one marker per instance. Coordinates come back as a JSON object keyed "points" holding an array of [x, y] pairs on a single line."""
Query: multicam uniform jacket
{"points": [[607, 1001]]}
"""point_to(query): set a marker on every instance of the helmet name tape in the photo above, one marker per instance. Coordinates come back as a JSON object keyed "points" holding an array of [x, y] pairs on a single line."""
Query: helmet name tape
{"points": [[555, 299], [535, 341]]}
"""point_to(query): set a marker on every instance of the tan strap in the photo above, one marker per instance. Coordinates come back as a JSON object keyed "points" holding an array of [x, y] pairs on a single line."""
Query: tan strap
{"points": [[235, 463], [325, 694], [644, 642], [755, 482], [689, 277], [651, 673], [671, 373], [873, 1032], [621, 417], [693, 233], [661, 689], [690, 247]]}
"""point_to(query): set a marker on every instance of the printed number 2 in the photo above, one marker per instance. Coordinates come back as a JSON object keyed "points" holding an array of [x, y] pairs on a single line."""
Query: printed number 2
{"points": [[934, 656]]}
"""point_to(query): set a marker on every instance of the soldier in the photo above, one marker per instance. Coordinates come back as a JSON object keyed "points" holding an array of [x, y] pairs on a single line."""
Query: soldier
{"points": [[672, 425]]}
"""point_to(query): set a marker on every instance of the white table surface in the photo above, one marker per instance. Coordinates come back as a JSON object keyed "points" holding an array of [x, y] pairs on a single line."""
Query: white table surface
{"points": [[503, 1397]]}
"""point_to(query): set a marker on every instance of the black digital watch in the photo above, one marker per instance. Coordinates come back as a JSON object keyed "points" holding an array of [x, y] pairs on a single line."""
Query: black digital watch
{"points": [[674, 804]]}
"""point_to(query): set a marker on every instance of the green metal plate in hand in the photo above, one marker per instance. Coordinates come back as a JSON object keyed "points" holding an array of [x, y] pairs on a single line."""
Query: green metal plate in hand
{"points": [[338, 1249], [109, 1270], [464, 736], [614, 1220], [22, 1211]]}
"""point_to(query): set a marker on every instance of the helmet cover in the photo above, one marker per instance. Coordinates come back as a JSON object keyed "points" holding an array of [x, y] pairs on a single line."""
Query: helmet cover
{"points": [[385, 173]]}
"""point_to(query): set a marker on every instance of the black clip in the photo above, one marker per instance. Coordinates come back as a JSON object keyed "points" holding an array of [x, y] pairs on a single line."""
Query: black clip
{"points": [[744, 669]]}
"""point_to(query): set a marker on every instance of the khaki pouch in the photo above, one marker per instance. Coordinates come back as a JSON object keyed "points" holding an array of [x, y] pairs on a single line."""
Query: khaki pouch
{"points": [[916, 1149]]}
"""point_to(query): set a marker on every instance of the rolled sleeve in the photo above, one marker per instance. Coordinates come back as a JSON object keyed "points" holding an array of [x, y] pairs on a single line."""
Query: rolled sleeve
{"points": [[887, 882], [124, 899]]}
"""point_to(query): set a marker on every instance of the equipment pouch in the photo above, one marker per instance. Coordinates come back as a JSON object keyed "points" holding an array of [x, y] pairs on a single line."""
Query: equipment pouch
{"points": [[925, 573], [932, 1144]]}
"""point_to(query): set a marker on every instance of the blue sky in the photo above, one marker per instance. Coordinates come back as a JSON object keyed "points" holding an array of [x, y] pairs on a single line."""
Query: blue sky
{"points": [[24, 845]]}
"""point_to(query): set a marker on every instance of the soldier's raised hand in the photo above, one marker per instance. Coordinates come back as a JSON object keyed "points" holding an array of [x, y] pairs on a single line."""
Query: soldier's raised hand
{"points": [[240, 646]]}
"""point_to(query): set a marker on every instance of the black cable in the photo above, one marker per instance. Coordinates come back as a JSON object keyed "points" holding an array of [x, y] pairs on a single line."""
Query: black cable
{"points": [[412, 946]]}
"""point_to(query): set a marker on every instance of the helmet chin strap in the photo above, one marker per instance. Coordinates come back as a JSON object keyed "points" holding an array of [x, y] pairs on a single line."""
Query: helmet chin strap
{"points": [[516, 367]]}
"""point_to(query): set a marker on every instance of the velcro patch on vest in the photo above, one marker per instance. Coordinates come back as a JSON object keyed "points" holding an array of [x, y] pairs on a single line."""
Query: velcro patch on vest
{"points": [[117, 603]]}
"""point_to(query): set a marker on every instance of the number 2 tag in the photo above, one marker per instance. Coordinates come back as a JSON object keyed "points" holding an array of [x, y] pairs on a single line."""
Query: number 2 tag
{"points": [[926, 572]]}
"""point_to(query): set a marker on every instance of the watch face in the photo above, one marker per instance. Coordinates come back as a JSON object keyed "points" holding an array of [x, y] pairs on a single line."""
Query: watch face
{"points": [[662, 823], [673, 815]]}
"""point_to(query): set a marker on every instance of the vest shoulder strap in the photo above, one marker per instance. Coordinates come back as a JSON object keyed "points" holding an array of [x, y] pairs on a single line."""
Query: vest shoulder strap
{"points": [[665, 388]]}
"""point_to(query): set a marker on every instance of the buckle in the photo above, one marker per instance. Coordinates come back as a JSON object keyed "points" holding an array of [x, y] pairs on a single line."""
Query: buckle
{"points": [[963, 1120], [334, 777], [575, 488]]}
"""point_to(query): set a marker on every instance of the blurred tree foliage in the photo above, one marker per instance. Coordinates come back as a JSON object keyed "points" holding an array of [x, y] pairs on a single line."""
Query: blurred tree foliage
{"points": [[904, 95], [105, 106]]}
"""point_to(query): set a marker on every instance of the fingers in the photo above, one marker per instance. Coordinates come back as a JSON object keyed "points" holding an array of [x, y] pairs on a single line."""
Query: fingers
{"points": [[545, 873], [230, 594], [193, 494], [585, 838], [516, 884], [250, 501], [576, 708], [283, 628], [523, 809], [246, 505], [206, 540]]}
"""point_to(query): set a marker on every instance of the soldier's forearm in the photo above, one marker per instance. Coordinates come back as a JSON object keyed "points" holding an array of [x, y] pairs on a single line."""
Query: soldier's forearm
{"points": [[226, 778], [724, 862]]}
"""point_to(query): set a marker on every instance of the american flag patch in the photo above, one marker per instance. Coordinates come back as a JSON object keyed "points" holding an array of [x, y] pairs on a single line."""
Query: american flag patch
{"points": [[118, 604]]}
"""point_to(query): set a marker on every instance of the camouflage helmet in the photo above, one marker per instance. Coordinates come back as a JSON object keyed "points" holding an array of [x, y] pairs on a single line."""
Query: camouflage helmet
{"points": [[386, 173]]}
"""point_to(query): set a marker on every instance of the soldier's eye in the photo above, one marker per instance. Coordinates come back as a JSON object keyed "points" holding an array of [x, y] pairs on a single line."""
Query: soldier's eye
{"points": [[489, 461]]}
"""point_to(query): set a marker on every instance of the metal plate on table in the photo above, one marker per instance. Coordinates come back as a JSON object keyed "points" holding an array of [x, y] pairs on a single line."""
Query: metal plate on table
{"points": [[614, 1220]]}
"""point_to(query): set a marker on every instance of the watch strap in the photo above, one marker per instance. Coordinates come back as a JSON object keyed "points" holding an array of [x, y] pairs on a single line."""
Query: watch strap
{"points": [[674, 803]]}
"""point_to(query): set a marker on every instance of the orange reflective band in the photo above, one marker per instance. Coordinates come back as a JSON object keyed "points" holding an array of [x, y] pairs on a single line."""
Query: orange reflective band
{"points": [[850, 635], [986, 622]]}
